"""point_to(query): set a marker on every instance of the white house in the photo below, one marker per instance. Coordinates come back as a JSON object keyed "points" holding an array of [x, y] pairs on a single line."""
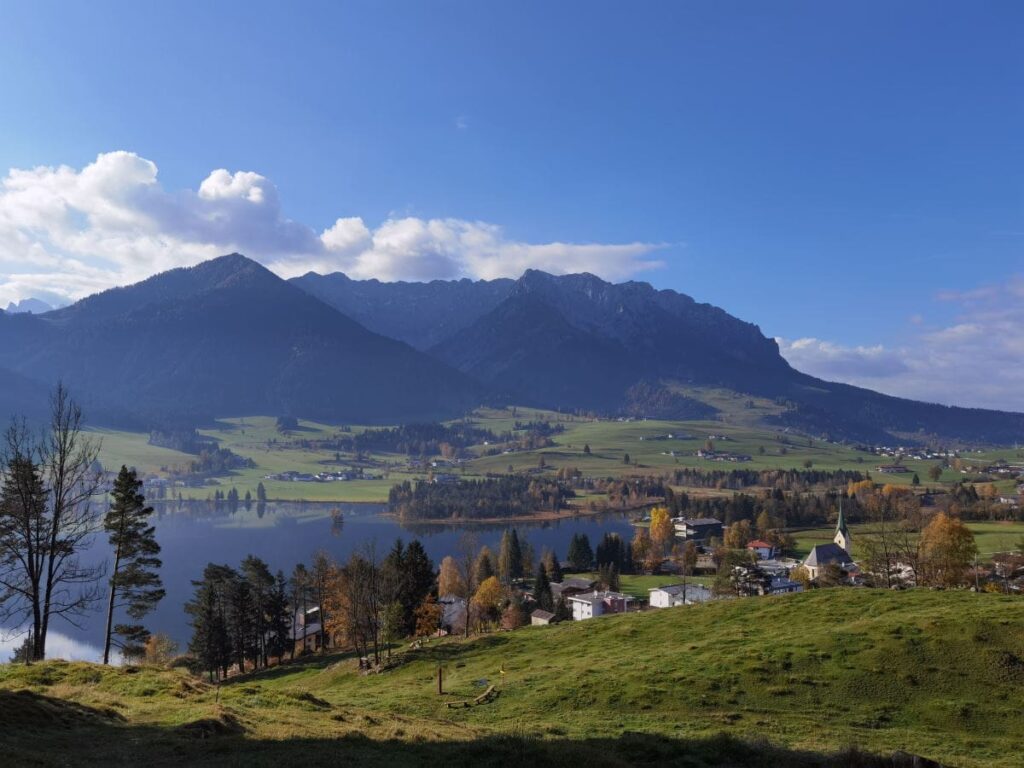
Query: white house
{"points": [[591, 604], [673, 595], [762, 549]]}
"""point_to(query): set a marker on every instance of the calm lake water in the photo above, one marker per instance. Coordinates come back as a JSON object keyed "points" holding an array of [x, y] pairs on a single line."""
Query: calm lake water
{"points": [[193, 534]]}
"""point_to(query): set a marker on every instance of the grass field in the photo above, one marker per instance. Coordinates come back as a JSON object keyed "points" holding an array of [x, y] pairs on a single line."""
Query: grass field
{"points": [[990, 537], [939, 674], [257, 438]]}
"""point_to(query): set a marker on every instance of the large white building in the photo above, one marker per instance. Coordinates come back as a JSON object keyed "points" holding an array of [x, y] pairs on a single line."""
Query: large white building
{"points": [[679, 594]]}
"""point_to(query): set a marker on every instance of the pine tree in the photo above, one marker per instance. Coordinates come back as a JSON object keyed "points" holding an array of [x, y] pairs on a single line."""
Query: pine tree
{"points": [[261, 589], [580, 554], [261, 492], [553, 567], [279, 618], [210, 643], [134, 582], [542, 589], [484, 566], [515, 556]]}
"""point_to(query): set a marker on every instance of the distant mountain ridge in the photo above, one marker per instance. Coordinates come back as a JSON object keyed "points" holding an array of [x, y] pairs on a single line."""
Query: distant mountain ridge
{"points": [[228, 337], [31, 305], [577, 341], [420, 314]]}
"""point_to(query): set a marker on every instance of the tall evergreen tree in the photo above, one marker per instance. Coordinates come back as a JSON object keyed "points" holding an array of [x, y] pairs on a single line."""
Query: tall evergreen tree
{"points": [[542, 589], [279, 618], [135, 584], [211, 642], [552, 566], [261, 588], [485, 566]]}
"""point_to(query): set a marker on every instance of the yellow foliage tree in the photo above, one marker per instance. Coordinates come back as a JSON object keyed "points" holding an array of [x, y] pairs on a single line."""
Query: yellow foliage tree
{"points": [[488, 599], [948, 549], [449, 580], [738, 535], [661, 529]]}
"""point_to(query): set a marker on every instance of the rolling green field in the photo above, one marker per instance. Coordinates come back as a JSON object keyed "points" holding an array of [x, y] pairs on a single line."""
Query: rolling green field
{"points": [[940, 674], [990, 537], [610, 441]]}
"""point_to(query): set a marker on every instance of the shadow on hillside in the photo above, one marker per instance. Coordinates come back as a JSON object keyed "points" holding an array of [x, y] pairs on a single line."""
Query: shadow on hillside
{"points": [[45, 731]]}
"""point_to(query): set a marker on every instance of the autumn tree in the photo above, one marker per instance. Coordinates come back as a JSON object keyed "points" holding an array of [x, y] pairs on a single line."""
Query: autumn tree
{"points": [[948, 549], [552, 567], [428, 617], [449, 581], [135, 584], [641, 545], [661, 530], [488, 600], [738, 535], [935, 472]]}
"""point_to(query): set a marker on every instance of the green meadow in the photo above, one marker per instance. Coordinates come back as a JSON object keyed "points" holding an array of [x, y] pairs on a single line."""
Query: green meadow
{"points": [[790, 680], [610, 442]]}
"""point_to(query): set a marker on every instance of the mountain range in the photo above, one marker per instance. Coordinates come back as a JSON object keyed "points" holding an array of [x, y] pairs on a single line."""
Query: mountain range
{"points": [[228, 337]]}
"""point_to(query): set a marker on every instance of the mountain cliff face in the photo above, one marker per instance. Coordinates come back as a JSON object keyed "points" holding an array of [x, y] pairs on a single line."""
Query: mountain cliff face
{"points": [[228, 337], [420, 314]]}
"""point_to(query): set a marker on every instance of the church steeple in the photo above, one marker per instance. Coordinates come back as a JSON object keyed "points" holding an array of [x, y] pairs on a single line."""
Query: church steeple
{"points": [[842, 537]]}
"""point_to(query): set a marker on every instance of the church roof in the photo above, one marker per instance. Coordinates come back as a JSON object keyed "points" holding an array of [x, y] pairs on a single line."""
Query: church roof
{"points": [[823, 554], [841, 523]]}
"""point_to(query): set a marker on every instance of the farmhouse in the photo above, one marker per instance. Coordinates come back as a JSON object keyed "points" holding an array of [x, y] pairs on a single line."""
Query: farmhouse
{"points": [[673, 595], [591, 604], [893, 469]]}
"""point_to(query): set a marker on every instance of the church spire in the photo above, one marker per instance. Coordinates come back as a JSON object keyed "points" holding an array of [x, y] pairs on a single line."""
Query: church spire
{"points": [[842, 537]]}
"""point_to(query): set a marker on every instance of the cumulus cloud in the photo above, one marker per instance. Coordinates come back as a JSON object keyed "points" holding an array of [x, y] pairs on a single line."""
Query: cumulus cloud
{"points": [[58, 646], [977, 360], [66, 232]]}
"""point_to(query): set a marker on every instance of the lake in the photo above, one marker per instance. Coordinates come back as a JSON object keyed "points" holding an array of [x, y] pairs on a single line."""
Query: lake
{"points": [[192, 534]]}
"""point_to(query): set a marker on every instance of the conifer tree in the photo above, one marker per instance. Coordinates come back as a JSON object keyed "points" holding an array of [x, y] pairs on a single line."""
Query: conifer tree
{"points": [[542, 589], [134, 581]]}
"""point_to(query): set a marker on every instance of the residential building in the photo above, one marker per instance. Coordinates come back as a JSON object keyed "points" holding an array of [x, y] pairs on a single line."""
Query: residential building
{"points": [[697, 528], [569, 587], [762, 549], [673, 595], [589, 605]]}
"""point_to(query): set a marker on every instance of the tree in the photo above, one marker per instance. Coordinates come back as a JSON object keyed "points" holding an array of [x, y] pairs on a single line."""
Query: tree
{"points": [[581, 556], [510, 557], [261, 492], [586, 448], [641, 546], [299, 585], [562, 612], [935, 472], [738, 535], [625, 458], [134, 582], [320, 579], [948, 549], [915, 480], [279, 618], [485, 565], [428, 617], [160, 649], [662, 530], [211, 643], [689, 558], [542, 589], [47, 521], [552, 567], [449, 582], [514, 615], [488, 599]]}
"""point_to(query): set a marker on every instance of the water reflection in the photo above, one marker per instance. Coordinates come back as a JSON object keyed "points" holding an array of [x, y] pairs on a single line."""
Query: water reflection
{"points": [[194, 533]]}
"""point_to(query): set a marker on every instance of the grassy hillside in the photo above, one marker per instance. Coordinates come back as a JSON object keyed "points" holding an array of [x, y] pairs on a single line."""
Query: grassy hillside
{"points": [[939, 674]]}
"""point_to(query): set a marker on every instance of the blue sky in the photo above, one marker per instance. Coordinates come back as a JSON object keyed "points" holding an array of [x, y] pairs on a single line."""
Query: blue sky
{"points": [[846, 175]]}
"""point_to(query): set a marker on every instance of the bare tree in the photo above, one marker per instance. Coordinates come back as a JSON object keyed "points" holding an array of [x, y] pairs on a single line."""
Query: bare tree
{"points": [[41, 543], [468, 548]]}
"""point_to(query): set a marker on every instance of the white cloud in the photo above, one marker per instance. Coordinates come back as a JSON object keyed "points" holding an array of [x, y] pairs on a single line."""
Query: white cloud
{"points": [[977, 360], [58, 646], [66, 233]]}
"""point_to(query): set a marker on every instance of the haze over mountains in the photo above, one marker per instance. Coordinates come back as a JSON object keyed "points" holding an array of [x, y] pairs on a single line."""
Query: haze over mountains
{"points": [[229, 337]]}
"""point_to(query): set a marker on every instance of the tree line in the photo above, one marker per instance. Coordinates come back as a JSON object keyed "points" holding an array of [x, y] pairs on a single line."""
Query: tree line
{"points": [[507, 496], [49, 515]]}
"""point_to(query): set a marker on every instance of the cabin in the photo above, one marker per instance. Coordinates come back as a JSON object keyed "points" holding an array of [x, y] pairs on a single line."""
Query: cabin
{"points": [[540, 618]]}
